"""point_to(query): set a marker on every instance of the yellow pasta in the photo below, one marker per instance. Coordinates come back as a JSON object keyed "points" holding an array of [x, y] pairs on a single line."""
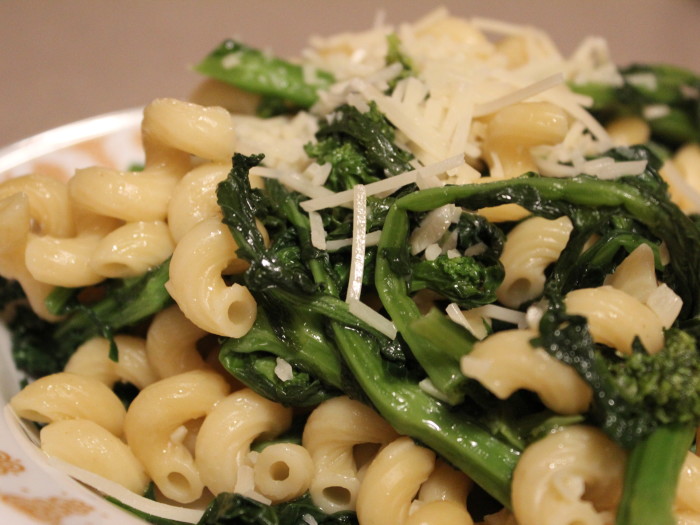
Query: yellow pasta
{"points": [[129, 196], [62, 261], [571, 477], [49, 205], [226, 434], [155, 431], [513, 130], [197, 285], [530, 248], [132, 249], [61, 396], [87, 445], [616, 318], [391, 482], [206, 132], [505, 362], [194, 198], [283, 471], [332, 434], [171, 343], [440, 513], [92, 359], [636, 275]]}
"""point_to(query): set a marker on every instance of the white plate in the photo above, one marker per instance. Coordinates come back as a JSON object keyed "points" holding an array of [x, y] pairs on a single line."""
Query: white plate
{"points": [[31, 490]]}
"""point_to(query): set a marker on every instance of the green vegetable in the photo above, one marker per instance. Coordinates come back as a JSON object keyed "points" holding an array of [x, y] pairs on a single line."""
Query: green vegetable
{"points": [[440, 363], [234, 509], [651, 477], [592, 203], [41, 348], [302, 343], [674, 90], [391, 389], [359, 147], [395, 55], [282, 83], [125, 303]]}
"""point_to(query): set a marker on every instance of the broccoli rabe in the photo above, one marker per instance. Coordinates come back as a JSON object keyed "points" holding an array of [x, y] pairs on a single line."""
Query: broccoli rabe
{"points": [[40, 347], [359, 147], [462, 280], [283, 85], [667, 97]]}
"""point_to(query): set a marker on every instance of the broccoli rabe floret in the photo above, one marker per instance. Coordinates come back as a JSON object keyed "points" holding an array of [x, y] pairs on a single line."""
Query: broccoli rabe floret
{"points": [[359, 147], [666, 383], [462, 280]]}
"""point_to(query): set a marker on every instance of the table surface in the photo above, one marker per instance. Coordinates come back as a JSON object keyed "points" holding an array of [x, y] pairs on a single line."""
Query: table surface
{"points": [[71, 59]]}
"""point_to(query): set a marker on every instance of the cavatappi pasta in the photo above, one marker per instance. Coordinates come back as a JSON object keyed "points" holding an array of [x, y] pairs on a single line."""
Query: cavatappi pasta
{"points": [[470, 104]]}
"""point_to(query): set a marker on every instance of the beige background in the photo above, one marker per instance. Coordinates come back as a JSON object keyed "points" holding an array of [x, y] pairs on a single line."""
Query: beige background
{"points": [[63, 60]]}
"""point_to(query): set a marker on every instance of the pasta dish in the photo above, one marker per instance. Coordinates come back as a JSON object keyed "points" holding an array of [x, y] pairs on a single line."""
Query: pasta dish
{"points": [[431, 273]]}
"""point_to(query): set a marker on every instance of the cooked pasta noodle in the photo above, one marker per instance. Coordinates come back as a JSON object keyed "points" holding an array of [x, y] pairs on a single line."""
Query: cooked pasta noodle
{"points": [[227, 432], [530, 248], [62, 396], [506, 361], [391, 482], [332, 434], [616, 318], [154, 427], [86, 444], [92, 359], [571, 477], [205, 252], [171, 343]]}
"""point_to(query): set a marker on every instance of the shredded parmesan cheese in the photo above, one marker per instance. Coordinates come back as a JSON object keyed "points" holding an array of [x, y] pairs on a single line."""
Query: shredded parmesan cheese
{"points": [[359, 235], [372, 318], [507, 315], [283, 370]]}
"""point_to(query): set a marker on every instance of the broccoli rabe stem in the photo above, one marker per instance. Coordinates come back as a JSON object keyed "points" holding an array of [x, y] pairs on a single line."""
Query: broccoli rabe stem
{"points": [[554, 197], [441, 366], [452, 434], [651, 477], [258, 72]]}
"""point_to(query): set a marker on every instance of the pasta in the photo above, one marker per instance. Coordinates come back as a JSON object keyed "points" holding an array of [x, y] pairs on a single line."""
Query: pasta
{"points": [[507, 361], [424, 274], [62, 396], [154, 427], [206, 251], [92, 359], [226, 434], [531, 247], [578, 482], [331, 435], [86, 444]]}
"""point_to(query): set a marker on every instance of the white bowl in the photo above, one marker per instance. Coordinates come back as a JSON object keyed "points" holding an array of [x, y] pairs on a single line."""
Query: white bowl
{"points": [[32, 490]]}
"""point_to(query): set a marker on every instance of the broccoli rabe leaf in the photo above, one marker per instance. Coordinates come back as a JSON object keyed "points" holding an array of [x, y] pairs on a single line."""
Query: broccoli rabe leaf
{"points": [[257, 370], [670, 89], [298, 340], [125, 302], [34, 347], [40, 347], [395, 55], [359, 146], [234, 509], [462, 280], [10, 290]]}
